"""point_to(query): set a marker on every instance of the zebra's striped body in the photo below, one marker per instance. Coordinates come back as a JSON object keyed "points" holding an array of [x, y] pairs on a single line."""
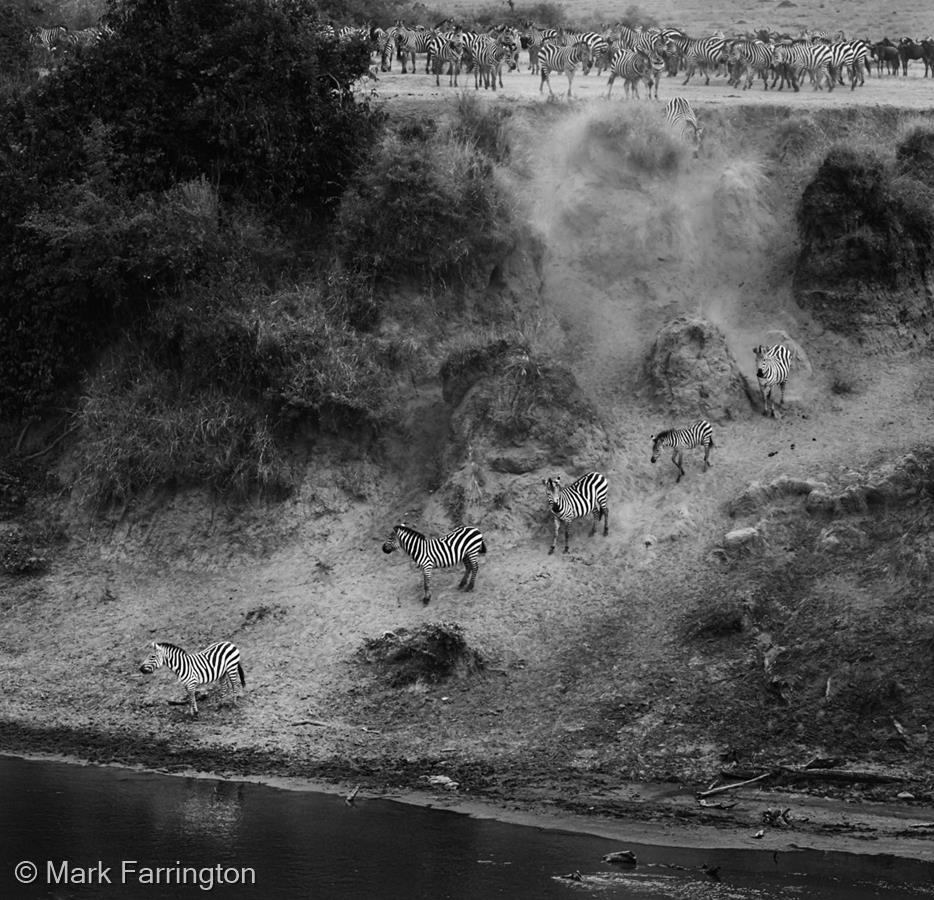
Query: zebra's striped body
{"points": [[599, 49], [49, 39], [585, 496], [218, 662], [445, 50], [410, 42], [815, 59], [488, 57], [754, 58], [699, 434], [552, 58], [463, 544], [680, 116], [704, 54], [850, 57], [537, 37], [632, 67], [773, 366]]}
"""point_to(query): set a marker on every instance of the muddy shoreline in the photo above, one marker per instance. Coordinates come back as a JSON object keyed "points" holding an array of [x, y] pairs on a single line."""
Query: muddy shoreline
{"points": [[662, 814]]}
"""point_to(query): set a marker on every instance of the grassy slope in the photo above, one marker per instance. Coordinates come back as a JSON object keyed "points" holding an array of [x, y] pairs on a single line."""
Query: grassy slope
{"points": [[611, 663]]}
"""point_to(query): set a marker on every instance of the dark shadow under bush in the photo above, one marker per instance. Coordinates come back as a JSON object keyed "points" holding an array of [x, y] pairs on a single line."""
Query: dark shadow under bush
{"points": [[430, 653]]}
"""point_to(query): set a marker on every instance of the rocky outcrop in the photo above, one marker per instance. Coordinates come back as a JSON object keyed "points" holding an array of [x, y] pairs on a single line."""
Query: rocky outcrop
{"points": [[693, 373]]}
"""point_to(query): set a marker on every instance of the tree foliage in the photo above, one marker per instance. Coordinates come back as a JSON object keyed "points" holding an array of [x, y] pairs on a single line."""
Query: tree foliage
{"points": [[121, 172]]}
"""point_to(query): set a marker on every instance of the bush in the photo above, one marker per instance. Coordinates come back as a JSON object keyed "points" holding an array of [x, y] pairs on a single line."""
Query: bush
{"points": [[434, 212]]}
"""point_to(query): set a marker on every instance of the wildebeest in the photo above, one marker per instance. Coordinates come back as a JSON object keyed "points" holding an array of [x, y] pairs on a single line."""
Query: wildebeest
{"points": [[886, 56], [909, 49]]}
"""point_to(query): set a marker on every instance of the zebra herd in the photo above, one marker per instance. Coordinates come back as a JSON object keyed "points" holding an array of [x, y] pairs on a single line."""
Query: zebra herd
{"points": [[587, 496], [643, 55]]}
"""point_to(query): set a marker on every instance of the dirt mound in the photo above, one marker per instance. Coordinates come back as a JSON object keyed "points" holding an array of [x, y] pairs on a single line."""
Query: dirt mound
{"points": [[518, 411], [435, 651], [692, 371], [867, 236]]}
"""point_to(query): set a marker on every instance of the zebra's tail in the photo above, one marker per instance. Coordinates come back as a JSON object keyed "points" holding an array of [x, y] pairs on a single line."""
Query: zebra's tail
{"points": [[482, 546], [240, 673]]}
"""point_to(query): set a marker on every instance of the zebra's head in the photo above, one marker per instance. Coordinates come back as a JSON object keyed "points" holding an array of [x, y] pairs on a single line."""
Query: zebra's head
{"points": [[154, 660], [552, 489], [657, 444], [393, 542]]}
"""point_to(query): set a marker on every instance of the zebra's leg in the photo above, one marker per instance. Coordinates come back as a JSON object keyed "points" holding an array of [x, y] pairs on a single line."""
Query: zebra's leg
{"points": [[554, 537], [567, 534], [676, 458], [707, 455], [609, 86], [606, 520], [596, 518], [474, 568], [192, 701], [464, 580], [427, 580], [781, 401]]}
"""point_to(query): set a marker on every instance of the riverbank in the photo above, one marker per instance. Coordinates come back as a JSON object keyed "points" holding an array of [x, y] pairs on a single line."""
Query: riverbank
{"points": [[661, 814]]}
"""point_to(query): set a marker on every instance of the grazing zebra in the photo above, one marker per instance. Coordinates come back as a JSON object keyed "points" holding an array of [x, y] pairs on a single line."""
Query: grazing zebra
{"points": [[679, 114], [586, 495], [463, 544], [219, 662], [632, 67], [699, 434], [773, 366], [552, 58]]}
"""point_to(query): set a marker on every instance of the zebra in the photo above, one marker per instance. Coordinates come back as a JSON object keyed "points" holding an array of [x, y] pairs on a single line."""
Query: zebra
{"points": [[411, 41], [488, 55], [552, 58], [753, 56], [700, 434], [773, 366], [702, 53], [536, 37], [445, 50], [814, 59], [850, 57], [49, 39], [632, 67], [463, 544], [218, 662], [679, 114], [586, 495], [599, 48]]}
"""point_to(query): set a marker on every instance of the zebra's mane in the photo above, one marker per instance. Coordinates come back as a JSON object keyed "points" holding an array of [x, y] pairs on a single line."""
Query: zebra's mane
{"points": [[167, 646], [662, 435], [408, 529]]}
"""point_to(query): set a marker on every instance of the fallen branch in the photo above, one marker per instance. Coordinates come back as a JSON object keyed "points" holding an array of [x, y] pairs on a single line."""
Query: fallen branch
{"points": [[923, 825], [733, 787], [309, 722], [841, 775]]}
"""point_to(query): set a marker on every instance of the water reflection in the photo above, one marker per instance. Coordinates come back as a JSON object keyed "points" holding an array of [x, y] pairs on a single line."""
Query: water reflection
{"points": [[300, 844]]}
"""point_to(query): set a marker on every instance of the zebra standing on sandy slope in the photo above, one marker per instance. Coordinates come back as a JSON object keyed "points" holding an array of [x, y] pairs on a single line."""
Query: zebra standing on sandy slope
{"points": [[552, 58], [773, 366], [463, 544], [700, 434], [585, 496], [218, 662], [680, 116]]}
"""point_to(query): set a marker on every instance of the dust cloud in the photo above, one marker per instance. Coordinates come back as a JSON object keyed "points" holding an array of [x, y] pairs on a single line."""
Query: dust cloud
{"points": [[639, 230]]}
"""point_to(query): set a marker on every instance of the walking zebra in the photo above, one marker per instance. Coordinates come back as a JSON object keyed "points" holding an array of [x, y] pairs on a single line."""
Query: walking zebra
{"points": [[773, 366], [703, 54], [679, 114], [815, 59], [699, 434], [463, 544], [49, 39], [586, 495], [552, 58], [754, 58], [219, 662]]}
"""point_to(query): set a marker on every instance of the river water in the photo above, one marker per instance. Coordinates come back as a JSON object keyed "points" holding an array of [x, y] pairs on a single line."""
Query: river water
{"points": [[92, 832]]}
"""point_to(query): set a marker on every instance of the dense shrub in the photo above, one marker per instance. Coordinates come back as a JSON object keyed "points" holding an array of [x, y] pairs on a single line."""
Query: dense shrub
{"points": [[15, 51], [122, 173], [430, 208]]}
